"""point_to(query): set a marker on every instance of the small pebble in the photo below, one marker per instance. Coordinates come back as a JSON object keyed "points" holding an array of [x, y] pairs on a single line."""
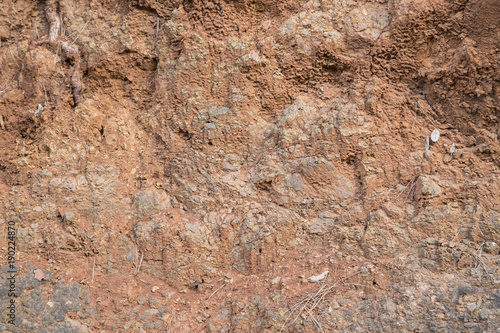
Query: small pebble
{"points": [[428, 155]]}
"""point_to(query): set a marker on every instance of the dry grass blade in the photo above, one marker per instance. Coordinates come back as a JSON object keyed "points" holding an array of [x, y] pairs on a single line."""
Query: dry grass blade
{"points": [[216, 291], [13, 58], [312, 301], [301, 302], [315, 321], [478, 260], [36, 31], [5, 86], [157, 31], [410, 183], [410, 191], [413, 115], [140, 263], [45, 92], [63, 31], [169, 324], [81, 30], [458, 231]]}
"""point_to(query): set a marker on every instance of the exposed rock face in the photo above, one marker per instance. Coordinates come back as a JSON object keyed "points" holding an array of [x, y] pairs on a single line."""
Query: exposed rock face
{"points": [[195, 161]]}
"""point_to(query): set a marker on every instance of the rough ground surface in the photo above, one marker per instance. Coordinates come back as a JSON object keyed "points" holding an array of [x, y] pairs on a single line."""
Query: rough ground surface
{"points": [[196, 161]]}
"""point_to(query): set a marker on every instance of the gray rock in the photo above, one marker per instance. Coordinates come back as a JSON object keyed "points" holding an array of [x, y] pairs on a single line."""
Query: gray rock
{"points": [[367, 22], [145, 203], [39, 311], [427, 188], [323, 224], [491, 247]]}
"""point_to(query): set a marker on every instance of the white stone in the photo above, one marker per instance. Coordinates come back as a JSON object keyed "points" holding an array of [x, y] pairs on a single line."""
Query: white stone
{"points": [[317, 278], [435, 135]]}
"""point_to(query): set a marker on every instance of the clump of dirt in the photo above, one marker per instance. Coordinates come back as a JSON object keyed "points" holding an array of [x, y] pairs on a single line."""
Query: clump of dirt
{"points": [[187, 165]]}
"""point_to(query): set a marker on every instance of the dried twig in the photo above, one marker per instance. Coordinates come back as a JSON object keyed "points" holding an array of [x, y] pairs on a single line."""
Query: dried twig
{"points": [[45, 92], [1, 122], [458, 231], [5, 84], [410, 191], [157, 29], [63, 31], [414, 116], [223, 285], [478, 260], [140, 263], [58, 53], [93, 269], [36, 31], [169, 323], [312, 301], [13, 58], [81, 30], [411, 182]]}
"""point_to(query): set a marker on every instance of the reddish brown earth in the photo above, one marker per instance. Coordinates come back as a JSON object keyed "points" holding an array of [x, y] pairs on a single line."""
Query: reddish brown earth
{"points": [[194, 162]]}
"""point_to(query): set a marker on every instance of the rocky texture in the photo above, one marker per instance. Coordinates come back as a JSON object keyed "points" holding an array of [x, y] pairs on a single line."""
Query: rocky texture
{"points": [[41, 307], [194, 162]]}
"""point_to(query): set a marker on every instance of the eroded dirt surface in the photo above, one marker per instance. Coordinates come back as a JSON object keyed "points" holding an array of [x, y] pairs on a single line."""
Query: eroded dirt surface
{"points": [[185, 166]]}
